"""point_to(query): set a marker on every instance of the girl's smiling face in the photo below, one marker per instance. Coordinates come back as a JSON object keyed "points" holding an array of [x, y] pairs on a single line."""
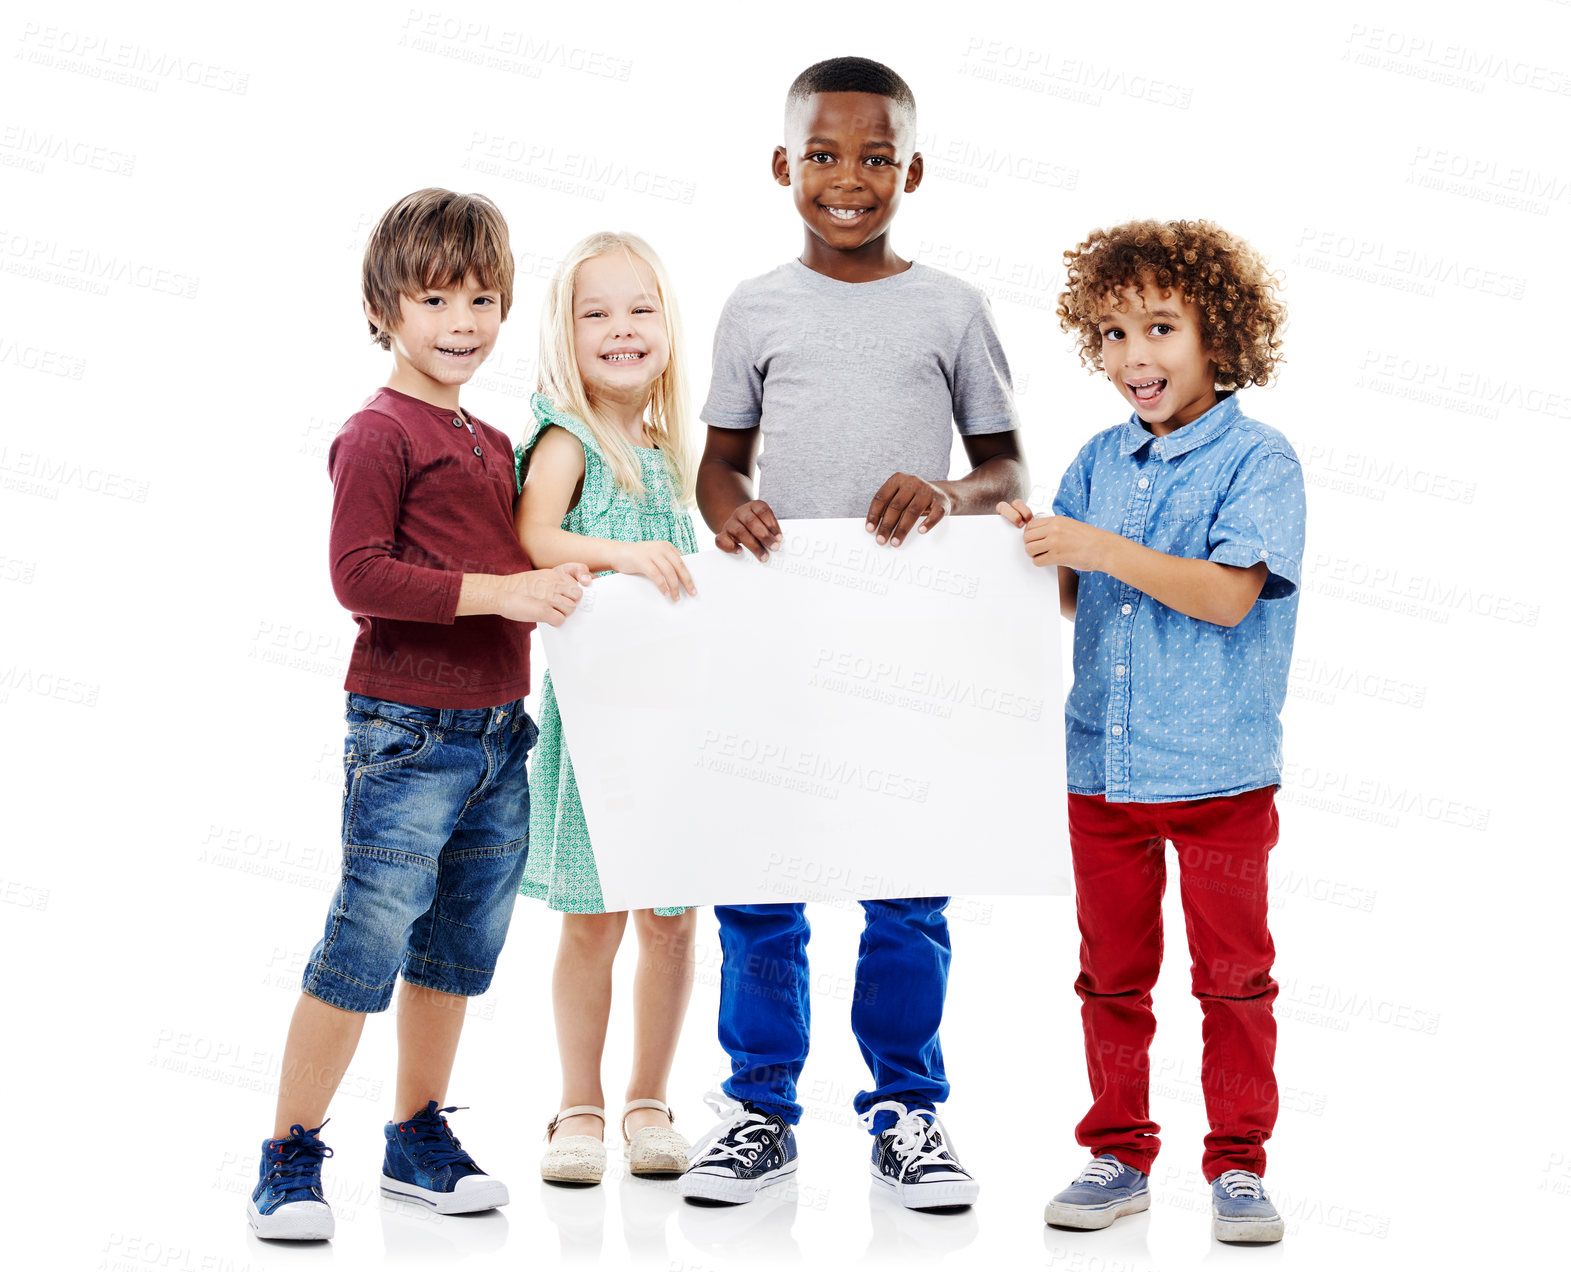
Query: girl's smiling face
{"points": [[619, 329], [1154, 353]]}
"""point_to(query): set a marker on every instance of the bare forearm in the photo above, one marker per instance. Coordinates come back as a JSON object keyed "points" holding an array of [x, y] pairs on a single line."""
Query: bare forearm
{"points": [[530, 596], [482, 594], [721, 490], [997, 480], [551, 545], [1211, 592]]}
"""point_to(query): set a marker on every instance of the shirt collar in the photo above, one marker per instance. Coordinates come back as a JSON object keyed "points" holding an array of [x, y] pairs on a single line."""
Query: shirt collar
{"points": [[1179, 442]]}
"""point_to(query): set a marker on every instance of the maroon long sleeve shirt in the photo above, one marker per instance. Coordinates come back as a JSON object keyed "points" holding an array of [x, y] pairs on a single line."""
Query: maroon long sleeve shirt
{"points": [[418, 502]]}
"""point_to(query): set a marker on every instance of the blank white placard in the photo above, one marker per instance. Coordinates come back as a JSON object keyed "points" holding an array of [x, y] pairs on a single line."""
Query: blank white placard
{"points": [[847, 722]]}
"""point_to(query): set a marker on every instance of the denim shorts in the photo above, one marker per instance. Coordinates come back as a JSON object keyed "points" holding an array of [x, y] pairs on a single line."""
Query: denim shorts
{"points": [[435, 833]]}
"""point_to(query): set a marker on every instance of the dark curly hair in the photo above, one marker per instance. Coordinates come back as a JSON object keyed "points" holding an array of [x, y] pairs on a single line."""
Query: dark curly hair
{"points": [[1241, 318]]}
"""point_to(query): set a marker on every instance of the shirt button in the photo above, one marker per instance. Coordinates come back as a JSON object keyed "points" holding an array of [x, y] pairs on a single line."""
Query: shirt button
{"points": [[458, 423], [1128, 609], [1118, 730], [1118, 670], [1144, 482], [478, 451]]}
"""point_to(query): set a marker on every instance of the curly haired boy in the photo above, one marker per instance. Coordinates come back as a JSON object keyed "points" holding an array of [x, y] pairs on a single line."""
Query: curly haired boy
{"points": [[1177, 536]]}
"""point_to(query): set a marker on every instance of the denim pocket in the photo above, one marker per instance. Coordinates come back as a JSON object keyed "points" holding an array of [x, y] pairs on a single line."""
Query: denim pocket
{"points": [[381, 743], [522, 722]]}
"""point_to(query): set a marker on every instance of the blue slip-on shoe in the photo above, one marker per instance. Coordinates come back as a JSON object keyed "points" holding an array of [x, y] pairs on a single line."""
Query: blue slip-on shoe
{"points": [[425, 1163], [1241, 1212], [749, 1150], [915, 1160], [287, 1203], [1104, 1191]]}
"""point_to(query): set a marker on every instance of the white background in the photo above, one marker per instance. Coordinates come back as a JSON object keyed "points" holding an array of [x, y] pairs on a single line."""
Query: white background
{"points": [[181, 336]]}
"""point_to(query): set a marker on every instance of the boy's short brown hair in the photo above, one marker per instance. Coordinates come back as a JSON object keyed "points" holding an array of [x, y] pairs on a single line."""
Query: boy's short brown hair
{"points": [[434, 238], [1227, 280]]}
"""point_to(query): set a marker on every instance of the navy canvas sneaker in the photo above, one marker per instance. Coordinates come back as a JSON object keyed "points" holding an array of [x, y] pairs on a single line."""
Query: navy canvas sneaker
{"points": [[749, 1150], [1102, 1192], [287, 1203], [426, 1163], [1241, 1212], [914, 1159]]}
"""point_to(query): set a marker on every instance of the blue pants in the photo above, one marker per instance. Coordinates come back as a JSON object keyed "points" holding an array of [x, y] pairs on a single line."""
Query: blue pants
{"points": [[898, 1003]]}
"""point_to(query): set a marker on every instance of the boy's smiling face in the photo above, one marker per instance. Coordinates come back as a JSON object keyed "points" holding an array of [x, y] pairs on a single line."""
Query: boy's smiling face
{"points": [[1153, 351], [441, 337], [848, 158]]}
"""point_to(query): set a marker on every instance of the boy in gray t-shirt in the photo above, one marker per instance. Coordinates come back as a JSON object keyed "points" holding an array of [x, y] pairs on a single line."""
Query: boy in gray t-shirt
{"points": [[849, 365]]}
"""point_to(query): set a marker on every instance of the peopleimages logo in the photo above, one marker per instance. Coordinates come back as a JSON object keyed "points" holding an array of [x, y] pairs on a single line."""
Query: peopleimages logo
{"points": [[810, 772], [891, 679]]}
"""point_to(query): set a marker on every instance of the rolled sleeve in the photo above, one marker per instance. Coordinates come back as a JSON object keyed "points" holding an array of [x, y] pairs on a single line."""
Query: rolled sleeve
{"points": [[1262, 519], [1072, 500]]}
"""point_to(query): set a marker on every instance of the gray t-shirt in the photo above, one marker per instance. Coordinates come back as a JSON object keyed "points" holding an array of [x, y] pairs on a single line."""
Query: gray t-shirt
{"points": [[852, 382]]}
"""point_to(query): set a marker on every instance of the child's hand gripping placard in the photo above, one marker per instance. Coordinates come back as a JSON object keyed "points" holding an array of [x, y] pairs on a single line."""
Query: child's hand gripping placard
{"points": [[846, 722]]}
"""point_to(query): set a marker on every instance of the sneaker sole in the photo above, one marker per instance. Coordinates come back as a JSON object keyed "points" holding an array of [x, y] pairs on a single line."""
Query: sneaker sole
{"points": [[725, 1190], [295, 1221], [1060, 1215], [487, 1195], [1248, 1231], [951, 1194]]}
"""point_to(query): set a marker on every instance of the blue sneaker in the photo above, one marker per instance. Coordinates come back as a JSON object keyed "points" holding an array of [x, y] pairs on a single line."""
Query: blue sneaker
{"points": [[1241, 1212], [749, 1150], [426, 1163], [287, 1203], [914, 1160], [1101, 1193]]}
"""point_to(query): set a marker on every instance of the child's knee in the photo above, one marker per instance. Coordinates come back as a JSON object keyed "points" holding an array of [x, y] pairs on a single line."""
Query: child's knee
{"points": [[670, 935], [593, 935], [1232, 978]]}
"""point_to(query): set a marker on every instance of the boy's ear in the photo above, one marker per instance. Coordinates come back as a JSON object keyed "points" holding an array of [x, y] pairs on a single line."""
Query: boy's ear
{"points": [[374, 318], [780, 166], [914, 172]]}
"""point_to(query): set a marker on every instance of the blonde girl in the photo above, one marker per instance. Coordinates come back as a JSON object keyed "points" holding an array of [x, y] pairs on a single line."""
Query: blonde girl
{"points": [[607, 477]]}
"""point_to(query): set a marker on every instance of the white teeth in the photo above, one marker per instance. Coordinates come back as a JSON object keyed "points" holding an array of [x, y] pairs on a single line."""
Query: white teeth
{"points": [[845, 214], [622, 357], [471, 349]]}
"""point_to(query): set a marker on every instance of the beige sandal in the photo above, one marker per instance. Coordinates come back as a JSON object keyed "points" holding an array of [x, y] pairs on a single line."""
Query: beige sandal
{"points": [[654, 1152], [573, 1159]]}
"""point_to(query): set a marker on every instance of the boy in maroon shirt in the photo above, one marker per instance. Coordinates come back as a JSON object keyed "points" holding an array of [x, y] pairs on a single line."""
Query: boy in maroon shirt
{"points": [[436, 803]]}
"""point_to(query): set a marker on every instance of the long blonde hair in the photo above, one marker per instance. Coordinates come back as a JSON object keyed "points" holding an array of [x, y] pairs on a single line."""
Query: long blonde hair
{"points": [[560, 381]]}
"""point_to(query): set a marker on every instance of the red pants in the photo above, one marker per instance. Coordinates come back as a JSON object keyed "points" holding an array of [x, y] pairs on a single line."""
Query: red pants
{"points": [[1222, 846]]}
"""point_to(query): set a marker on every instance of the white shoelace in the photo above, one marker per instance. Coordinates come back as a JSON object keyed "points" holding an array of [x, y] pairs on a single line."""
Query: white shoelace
{"points": [[1100, 1172], [1240, 1183], [911, 1130], [711, 1150]]}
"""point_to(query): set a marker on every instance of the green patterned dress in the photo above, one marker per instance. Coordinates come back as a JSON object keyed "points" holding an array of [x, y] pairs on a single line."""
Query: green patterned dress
{"points": [[561, 866]]}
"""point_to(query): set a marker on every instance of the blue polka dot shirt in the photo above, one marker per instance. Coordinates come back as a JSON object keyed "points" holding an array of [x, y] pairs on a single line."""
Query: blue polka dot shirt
{"points": [[1164, 706]]}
